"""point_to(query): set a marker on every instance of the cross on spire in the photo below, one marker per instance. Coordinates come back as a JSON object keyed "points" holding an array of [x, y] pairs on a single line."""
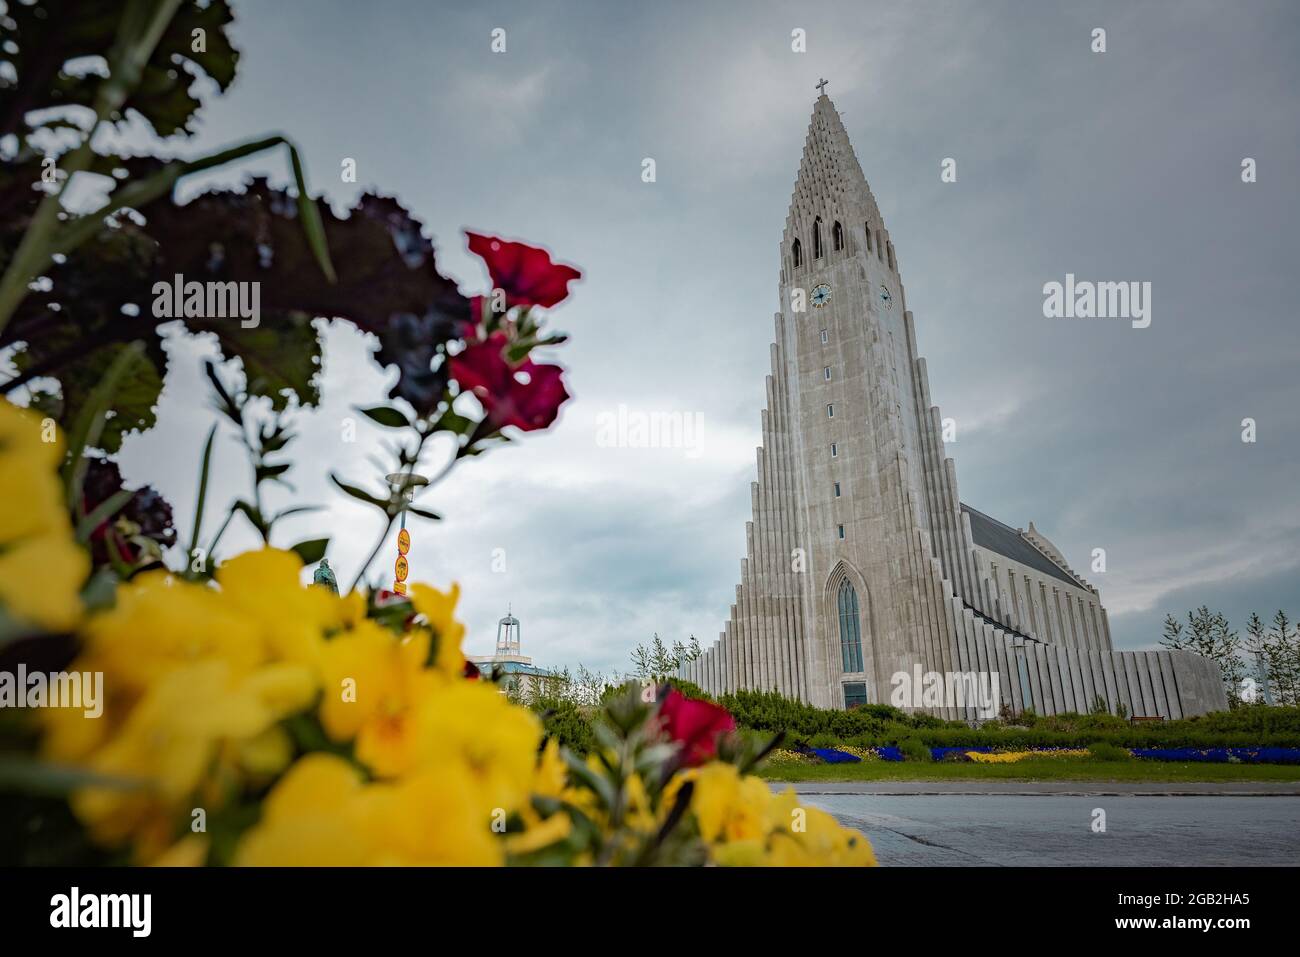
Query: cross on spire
{"points": [[821, 87]]}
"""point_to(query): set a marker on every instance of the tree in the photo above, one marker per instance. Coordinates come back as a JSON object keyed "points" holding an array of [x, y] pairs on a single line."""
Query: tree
{"points": [[656, 661], [1208, 634], [641, 667], [1276, 649], [662, 661]]}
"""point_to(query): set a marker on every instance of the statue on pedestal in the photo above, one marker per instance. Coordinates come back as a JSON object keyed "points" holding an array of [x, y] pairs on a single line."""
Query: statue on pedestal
{"points": [[324, 575]]}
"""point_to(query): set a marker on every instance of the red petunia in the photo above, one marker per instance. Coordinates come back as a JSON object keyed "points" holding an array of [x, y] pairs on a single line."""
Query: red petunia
{"points": [[526, 273], [527, 396], [695, 725]]}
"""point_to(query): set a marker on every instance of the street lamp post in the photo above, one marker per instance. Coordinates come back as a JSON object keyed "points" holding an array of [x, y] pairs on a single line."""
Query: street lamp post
{"points": [[407, 483]]}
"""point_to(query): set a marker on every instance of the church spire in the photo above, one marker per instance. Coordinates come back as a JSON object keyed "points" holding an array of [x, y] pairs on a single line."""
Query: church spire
{"points": [[830, 189]]}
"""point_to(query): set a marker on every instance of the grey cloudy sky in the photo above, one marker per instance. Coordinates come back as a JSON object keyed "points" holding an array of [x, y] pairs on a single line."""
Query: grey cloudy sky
{"points": [[1115, 166]]}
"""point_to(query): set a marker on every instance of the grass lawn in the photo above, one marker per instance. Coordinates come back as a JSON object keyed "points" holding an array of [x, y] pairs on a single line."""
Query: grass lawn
{"points": [[1046, 769]]}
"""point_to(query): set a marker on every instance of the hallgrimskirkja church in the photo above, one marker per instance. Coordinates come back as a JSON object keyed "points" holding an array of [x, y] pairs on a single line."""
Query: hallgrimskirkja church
{"points": [[865, 575]]}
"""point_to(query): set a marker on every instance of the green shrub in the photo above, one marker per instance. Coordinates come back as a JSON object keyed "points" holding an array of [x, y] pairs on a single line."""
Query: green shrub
{"points": [[875, 725], [1105, 751], [690, 689], [914, 750], [567, 723]]}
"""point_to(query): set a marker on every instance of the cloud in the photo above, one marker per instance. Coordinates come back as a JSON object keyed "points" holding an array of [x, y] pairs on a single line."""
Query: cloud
{"points": [[1123, 165]]}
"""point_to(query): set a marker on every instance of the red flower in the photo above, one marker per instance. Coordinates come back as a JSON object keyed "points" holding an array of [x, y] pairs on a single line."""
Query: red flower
{"points": [[526, 273], [696, 725], [527, 396]]}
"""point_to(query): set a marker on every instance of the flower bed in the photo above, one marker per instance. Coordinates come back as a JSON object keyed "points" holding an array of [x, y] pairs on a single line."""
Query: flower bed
{"points": [[1221, 755], [1010, 757]]}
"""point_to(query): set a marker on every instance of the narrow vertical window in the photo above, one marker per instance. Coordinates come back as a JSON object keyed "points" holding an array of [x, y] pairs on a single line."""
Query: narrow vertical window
{"points": [[837, 236], [880, 248], [826, 373], [850, 628], [825, 337], [833, 452], [841, 530], [837, 489], [869, 245], [892, 266], [830, 411], [797, 251], [817, 238]]}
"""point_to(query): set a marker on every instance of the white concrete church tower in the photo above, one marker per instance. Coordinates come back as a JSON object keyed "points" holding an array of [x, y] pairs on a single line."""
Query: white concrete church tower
{"points": [[862, 562]]}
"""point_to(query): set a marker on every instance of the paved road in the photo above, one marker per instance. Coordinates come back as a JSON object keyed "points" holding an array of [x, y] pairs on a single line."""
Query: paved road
{"points": [[1055, 829]]}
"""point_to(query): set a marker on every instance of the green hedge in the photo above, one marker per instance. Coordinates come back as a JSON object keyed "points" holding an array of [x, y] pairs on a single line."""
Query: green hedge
{"points": [[875, 725], [566, 722]]}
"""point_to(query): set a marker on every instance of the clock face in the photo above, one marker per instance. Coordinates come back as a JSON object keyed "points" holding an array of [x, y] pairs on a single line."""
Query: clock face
{"points": [[821, 294], [886, 299]]}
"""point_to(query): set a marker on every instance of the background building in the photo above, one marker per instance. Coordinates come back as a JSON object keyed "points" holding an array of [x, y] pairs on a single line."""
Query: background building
{"points": [[520, 675], [863, 564]]}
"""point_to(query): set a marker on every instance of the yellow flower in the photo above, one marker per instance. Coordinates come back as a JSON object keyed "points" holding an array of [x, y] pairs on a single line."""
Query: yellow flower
{"points": [[264, 586], [373, 680], [41, 566], [267, 754], [471, 724], [543, 834], [745, 825], [552, 774], [346, 611], [172, 736], [727, 806], [435, 818], [41, 578], [190, 851], [438, 609], [312, 817], [161, 623], [321, 813], [805, 836], [29, 482]]}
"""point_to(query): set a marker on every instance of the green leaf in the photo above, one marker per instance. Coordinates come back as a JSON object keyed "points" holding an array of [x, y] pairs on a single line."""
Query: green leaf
{"points": [[388, 416], [104, 510], [100, 593], [598, 785], [680, 806], [452, 421], [312, 550], [264, 472], [29, 776], [276, 441], [294, 511], [227, 404], [424, 513], [360, 494], [310, 216], [281, 355], [90, 423], [253, 515], [204, 468]]}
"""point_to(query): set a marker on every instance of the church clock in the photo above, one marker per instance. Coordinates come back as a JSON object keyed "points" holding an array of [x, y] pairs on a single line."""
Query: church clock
{"points": [[821, 294], [886, 299]]}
